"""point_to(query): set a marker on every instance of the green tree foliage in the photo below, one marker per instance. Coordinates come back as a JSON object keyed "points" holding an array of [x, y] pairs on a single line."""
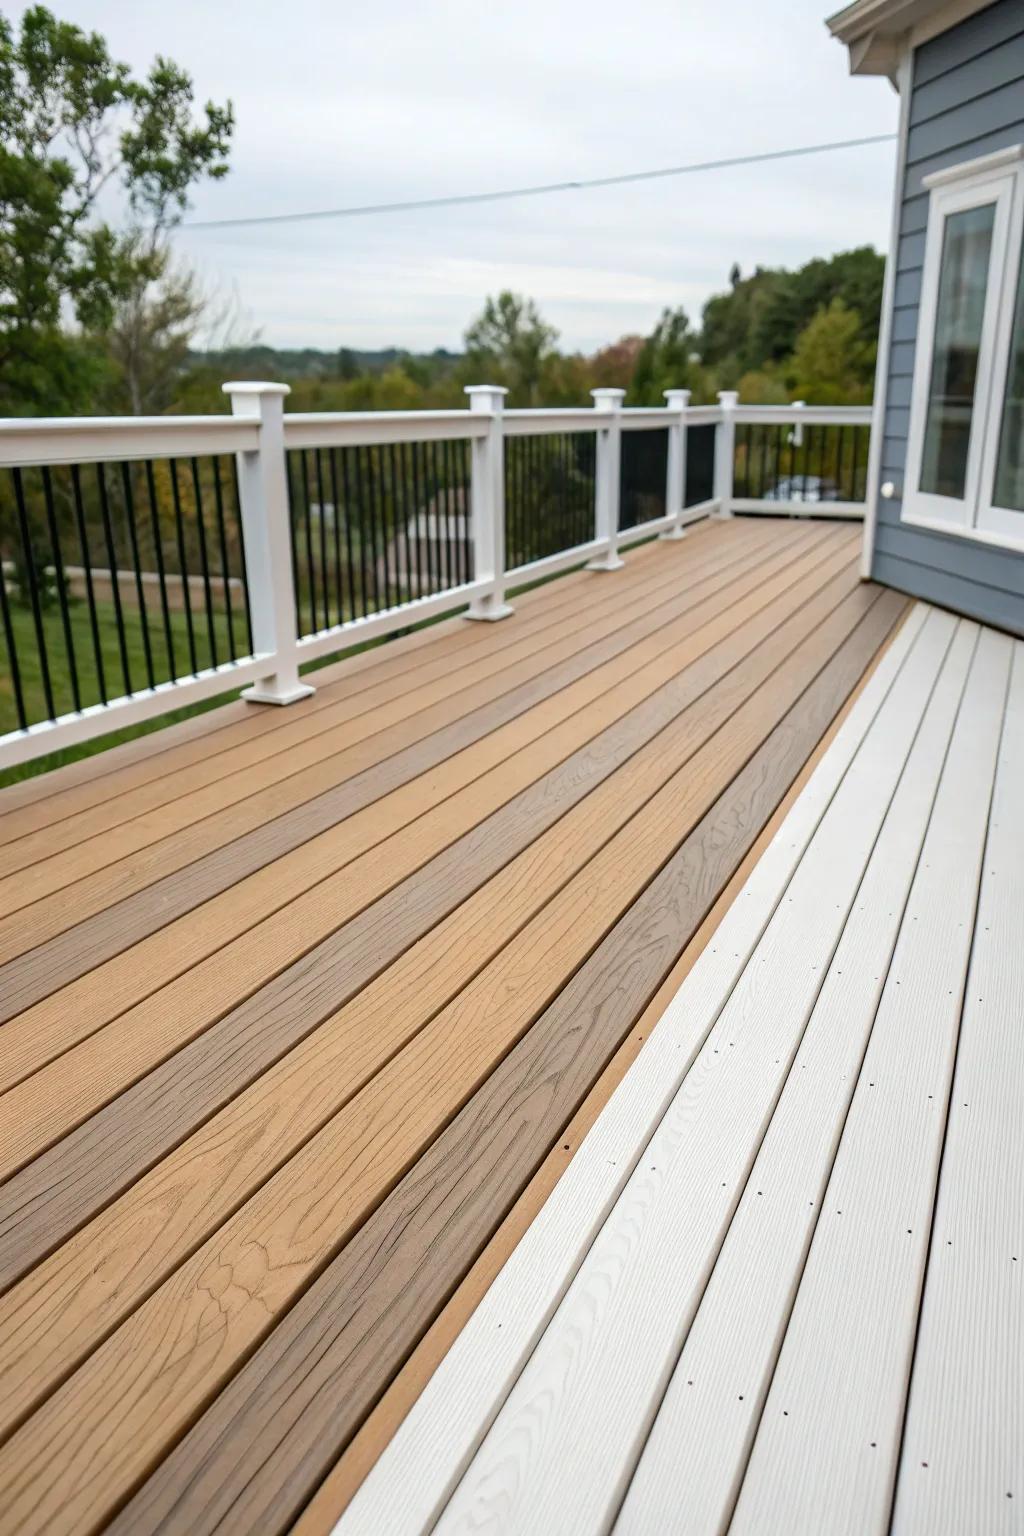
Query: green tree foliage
{"points": [[509, 343], [832, 364], [760, 319], [75, 124], [665, 360]]}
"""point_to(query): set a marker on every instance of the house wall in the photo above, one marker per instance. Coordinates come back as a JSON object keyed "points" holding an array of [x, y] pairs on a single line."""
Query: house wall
{"points": [[967, 99]]}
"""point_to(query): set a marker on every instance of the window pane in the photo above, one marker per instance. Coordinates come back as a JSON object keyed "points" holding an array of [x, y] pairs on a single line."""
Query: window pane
{"points": [[963, 280], [1009, 488]]}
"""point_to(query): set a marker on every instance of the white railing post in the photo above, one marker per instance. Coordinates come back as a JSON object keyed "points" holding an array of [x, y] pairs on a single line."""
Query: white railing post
{"points": [[606, 483], [796, 437], [487, 504], [725, 451], [675, 482], [266, 526]]}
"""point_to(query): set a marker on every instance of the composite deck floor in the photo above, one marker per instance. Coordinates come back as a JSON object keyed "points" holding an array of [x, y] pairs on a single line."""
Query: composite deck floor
{"points": [[306, 1011], [779, 1288]]}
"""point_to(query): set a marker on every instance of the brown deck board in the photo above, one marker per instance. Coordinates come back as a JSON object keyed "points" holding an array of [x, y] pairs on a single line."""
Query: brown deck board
{"points": [[335, 725], [49, 798], [96, 1068], [225, 1161], [244, 842], [203, 1161]]}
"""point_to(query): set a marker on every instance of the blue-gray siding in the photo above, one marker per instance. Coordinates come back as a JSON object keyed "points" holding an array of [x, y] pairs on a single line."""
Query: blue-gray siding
{"points": [[967, 99]]}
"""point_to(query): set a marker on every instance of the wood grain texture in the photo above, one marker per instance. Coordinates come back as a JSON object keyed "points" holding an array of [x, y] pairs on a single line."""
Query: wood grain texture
{"points": [[357, 1322], [829, 1463], [67, 1185], [304, 886], [76, 786], [965, 1415], [127, 856], [563, 1446], [92, 940], [303, 1213], [185, 794], [453, 1412], [422, 1064], [717, 1390]]}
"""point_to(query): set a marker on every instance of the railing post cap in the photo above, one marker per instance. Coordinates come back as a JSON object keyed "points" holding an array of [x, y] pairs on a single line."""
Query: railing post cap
{"points": [[255, 387], [677, 398], [728, 398], [608, 399], [486, 397]]}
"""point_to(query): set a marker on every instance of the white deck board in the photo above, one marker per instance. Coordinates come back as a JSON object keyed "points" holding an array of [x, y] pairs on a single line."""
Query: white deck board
{"points": [[966, 1409], [689, 1474], [825, 1455], [563, 1447], [410, 1483], [716, 1321]]}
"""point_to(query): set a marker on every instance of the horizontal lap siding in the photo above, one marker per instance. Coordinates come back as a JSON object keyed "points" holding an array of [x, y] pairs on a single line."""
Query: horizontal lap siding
{"points": [[967, 100]]}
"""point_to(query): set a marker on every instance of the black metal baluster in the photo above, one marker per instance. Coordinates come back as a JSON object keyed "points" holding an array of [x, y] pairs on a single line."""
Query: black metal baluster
{"points": [[339, 595], [371, 505], [62, 594], [420, 478], [83, 539], [380, 494], [449, 514], [294, 514], [364, 536], [211, 628], [391, 513], [433, 561], [853, 464], [401, 539], [158, 551], [241, 549], [324, 585], [35, 596], [307, 518], [12, 651], [186, 590], [140, 594], [115, 584], [343, 456], [218, 501]]}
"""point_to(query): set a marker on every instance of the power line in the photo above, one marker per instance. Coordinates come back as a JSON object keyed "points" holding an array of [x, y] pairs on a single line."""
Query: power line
{"points": [[538, 191]]}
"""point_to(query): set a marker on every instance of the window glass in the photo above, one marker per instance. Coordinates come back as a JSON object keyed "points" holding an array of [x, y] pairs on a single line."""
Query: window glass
{"points": [[1009, 486], [960, 309]]}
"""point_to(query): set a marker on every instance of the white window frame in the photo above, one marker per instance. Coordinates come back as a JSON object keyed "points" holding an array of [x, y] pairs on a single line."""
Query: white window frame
{"points": [[997, 178]]}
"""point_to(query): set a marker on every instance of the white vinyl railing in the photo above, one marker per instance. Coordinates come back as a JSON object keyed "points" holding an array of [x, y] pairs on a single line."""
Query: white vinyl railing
{"points": [[260, 435]]}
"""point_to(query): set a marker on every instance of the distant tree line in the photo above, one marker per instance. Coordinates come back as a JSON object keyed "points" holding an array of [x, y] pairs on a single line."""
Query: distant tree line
{"points": [[98, 315]]}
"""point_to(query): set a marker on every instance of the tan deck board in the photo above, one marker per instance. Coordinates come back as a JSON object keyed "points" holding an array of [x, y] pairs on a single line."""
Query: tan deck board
{"points": [[181, 871], [210, 1139], [231, 974], [191, 794]]}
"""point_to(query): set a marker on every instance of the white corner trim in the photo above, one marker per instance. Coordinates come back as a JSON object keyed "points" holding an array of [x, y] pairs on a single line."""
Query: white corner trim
{"points": [[964, 170], [874, 475]]}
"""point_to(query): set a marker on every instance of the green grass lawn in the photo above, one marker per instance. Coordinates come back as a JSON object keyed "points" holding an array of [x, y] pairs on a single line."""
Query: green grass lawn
{"points": [[84, 651]]}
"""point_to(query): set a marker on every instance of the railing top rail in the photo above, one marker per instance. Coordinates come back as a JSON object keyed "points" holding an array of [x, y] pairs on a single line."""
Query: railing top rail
{"points": [[529, 422], [809, 415], [330, 429], [88, 439]]}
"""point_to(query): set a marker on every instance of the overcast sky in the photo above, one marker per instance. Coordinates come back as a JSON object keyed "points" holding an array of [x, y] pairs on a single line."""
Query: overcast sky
{"points": [[343, 102]]}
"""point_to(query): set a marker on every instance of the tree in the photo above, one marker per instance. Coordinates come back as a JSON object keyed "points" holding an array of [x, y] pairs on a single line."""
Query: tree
{"points": [[665, 360], [75, 123], [510, 341], [831, 365]]}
